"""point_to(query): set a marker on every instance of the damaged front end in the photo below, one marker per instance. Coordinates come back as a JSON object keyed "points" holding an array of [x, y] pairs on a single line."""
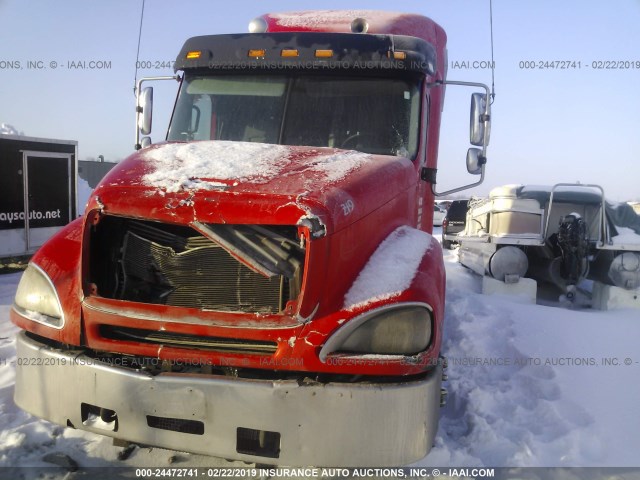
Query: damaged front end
{"points": [[228, 268], [214, 321]]}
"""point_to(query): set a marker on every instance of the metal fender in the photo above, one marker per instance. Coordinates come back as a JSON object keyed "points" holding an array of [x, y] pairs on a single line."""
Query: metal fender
{"points": [[429, 286], [61, 259]]}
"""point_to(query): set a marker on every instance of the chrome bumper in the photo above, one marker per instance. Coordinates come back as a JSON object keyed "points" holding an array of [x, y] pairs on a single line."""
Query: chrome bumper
{"points": [[260, 421]]}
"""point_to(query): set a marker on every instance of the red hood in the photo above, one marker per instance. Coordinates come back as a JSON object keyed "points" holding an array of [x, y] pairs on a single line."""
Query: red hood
{"points": [[236, 182]]}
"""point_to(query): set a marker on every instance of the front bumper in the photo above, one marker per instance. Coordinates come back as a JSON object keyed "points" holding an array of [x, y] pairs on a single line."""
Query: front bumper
{"points": [[260, 421]]}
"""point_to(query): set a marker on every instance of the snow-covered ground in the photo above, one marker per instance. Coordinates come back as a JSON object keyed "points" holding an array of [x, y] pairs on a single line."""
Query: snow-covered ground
{"points": [[529, 385], [533, 385]]}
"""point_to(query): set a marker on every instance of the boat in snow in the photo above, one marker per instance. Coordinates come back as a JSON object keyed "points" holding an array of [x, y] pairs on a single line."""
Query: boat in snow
{"points": [[560, 235]]}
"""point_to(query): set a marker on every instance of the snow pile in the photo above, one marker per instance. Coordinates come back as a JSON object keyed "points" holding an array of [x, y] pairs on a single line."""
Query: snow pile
{"points": [[529, 386], [184, 166], [500, 409], [391, 268], [338, 165]]}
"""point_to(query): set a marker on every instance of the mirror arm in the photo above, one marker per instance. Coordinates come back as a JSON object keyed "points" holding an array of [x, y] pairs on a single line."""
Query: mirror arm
{"points": [[138, 90], [459, 189], [482, 157]]}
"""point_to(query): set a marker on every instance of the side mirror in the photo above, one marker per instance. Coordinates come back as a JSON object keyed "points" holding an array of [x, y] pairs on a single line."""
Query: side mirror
{"points": [[479, 130], [479, 125], [145, 110], [475, 161]]}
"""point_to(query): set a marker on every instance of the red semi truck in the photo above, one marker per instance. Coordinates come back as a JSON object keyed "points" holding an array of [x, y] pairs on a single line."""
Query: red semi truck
{"points": [[263, 285]]}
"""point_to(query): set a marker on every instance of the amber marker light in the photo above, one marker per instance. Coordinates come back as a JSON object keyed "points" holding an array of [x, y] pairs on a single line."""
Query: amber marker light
{"points": [[324, 53], [289, 52]]}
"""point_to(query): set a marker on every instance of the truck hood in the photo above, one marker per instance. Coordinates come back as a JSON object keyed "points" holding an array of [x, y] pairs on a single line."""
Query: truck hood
{"points": [[238, 182]]}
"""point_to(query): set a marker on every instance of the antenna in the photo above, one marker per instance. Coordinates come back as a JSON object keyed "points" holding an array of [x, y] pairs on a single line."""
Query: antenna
{"points": [[135, 77], [493, 64]]}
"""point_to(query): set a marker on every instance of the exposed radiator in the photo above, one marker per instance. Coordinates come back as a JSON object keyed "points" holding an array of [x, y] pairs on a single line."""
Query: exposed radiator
{"points": [[172, 265]]}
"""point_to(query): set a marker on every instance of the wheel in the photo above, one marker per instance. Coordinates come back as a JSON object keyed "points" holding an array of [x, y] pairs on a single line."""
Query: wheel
{"points": [[446, 244]]}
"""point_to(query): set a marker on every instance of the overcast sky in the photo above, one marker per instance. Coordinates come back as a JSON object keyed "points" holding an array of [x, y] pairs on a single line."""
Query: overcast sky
{"points": [[580, 123]]}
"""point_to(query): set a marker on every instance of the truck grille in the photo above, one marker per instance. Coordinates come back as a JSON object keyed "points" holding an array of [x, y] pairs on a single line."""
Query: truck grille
{"points": [[174, 265]]}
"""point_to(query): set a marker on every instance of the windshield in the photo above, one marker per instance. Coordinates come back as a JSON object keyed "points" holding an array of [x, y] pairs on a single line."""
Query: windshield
{"points": [[369, 114]]}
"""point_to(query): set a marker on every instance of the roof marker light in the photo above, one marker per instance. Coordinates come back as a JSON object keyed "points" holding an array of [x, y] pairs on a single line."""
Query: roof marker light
{"points": [[399, 55], [194, 54], [256, 53], [324, 53], [289, 52]]}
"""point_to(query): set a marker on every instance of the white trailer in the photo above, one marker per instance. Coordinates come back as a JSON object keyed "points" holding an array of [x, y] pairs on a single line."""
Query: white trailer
{"points": [[38, 191]]}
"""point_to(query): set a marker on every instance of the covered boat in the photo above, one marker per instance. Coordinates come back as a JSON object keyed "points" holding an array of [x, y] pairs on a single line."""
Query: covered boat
{"points": [[559, 235]]}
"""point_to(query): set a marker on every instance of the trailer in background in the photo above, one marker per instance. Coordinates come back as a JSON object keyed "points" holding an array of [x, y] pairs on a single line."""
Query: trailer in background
{"points": [[38, 181]]}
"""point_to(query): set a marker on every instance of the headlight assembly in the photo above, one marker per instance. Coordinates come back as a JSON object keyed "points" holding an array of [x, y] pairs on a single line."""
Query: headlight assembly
{"points": [[400, 329], [36, 298]]}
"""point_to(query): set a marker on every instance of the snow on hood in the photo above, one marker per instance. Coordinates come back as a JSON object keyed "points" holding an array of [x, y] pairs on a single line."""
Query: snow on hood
{"points": [[391, 268], [338, 165], [183, 166], [197, 165]]}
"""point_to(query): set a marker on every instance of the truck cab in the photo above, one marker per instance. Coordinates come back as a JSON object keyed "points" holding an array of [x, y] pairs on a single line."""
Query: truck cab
{"points": [[263, 285]]}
